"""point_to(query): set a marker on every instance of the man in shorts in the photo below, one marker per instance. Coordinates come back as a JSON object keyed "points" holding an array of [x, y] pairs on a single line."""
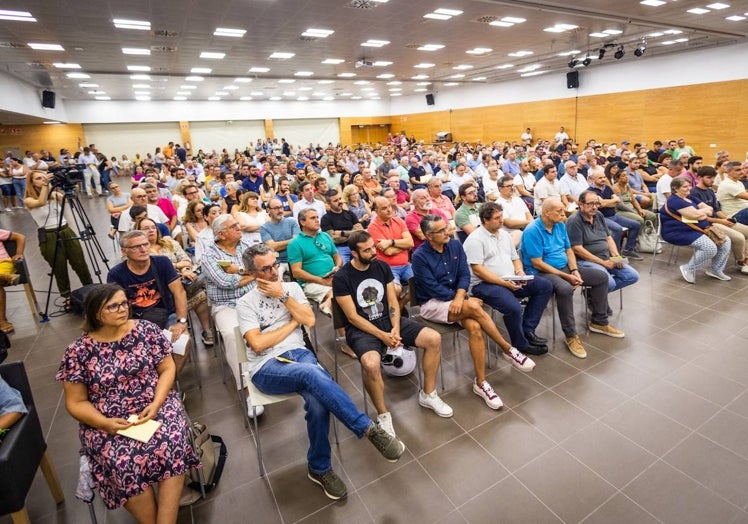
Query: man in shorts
{"points": [[365, 291]]}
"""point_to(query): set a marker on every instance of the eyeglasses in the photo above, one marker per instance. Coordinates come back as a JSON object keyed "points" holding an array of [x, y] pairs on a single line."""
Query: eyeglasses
{"points": [[188, 193], [268, 269], [321, 246], [138, 196], [114, 308], [593, 204], [273, 208], [439, 231], [139, 246]]}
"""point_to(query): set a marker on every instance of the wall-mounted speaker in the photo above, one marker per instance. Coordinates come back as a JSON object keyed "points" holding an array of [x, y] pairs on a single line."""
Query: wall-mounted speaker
{"points": [[430, 99], [48, 99], [572, 79]]}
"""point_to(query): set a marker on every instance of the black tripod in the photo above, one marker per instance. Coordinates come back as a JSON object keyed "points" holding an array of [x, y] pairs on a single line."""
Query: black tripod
{"points": [[87, 236]]}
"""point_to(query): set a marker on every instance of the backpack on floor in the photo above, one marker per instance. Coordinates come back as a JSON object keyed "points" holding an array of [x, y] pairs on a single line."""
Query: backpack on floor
{"points": [[212, 453]]}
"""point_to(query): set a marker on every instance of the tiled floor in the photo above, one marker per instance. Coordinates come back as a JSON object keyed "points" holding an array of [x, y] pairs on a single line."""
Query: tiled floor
{"points": [[649, 428]]}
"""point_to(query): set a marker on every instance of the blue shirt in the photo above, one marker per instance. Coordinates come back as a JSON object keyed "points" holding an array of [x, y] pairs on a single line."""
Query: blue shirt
{"points": [[537, 242], [249, 185], [440, 275], [286, 229]]}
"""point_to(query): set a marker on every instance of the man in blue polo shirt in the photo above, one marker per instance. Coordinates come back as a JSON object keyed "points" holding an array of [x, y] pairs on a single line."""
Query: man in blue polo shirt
{"points": [[278, 233], [547, 253]]}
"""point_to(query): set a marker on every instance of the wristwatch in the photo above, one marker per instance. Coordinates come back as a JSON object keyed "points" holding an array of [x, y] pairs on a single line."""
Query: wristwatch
{"points": [[182, 320], [284, 297], [240, 272], [392, 243]]}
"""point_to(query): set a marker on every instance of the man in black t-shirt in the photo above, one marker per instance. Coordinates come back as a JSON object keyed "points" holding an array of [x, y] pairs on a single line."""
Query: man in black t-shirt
{"points": [[339, 223], [365, 291]]}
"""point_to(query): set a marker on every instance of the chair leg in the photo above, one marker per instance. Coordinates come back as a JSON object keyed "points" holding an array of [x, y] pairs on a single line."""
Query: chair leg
{"points": [[31, 298], [50, 474], [257, 443], [20, 517]]}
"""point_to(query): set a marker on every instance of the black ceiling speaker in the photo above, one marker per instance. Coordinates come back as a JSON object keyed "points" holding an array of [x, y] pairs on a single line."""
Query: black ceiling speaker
{"points": [[430, 99], [48, 99], [572, 79]]}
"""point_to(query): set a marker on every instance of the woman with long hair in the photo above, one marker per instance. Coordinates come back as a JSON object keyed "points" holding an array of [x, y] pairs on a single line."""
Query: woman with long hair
{"points": [[193, 220], [357, 205], [118, 374], [44, 203], [250, 216], [269, 188]]}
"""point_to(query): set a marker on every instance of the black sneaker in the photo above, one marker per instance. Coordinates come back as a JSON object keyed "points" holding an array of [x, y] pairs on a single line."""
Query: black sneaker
{"points": [[535, 349], [330, 483], [388, 445], [632, 254]]}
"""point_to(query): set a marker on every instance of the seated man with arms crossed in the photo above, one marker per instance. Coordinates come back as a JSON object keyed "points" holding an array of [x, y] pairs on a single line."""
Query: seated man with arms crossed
{"points": [[392, 241], [365, 291], [442, 279], [270, 319], [492, 256]]}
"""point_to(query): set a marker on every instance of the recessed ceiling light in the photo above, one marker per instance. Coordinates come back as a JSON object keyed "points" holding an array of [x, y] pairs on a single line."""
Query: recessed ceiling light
{"points": [[286, 81], [718, 6], [612, 31], [655, 35], [395, 89], [329, 98], [599, 35], [259, 69], [431, 47], [653, 3], [302, 98], [478, 79], [87, 84], [141, 86], [303, 73], [187, 87], [361, 82], [520, 54], [179, 98], [326, 81], [245, 98], [140, 25], [230, 88], [394, 83], [103, 97], [242, 80], [459, 75], [140, 77], [569, 53], [317, 33], [451, 84], [318, 93], [531, 67], [513, 19], [479, 51], [142, 93], [16, 16], [462, 67], [66, 65], [212, 55], [385, 76], [289, 93], [435, 16], [668, 42], [500, 23], [423, 84], [193, 79], [533, 73], [275, 98], [673, 32], [346, 75], [681, 40], [560, 28], [235, 33], [256, 93], [420, 90], [345, 94], [424, 65], [222, 93], [138, 68], [375, 43], [281, 56], [419, 77], [306, 88], [333, 61], [201, 70], [78, 75], [214, 98], [396, 94], [698, 11], [46, 47], [381, 63], [450, 12], [143, 98], [368, 89], [136, 51], [184, 93], [735, 18]]}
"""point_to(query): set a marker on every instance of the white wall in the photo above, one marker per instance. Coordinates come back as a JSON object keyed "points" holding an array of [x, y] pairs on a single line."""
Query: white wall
{"points": [[19, 97], [229, 134], [299, 132], [116, 139]]}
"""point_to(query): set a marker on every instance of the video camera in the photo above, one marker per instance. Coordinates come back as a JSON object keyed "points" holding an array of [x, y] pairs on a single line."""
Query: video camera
{"points": [[66, 177]]}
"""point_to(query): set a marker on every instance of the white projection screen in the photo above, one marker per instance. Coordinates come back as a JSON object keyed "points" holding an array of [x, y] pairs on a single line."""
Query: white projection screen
{"points": [[118, 139], [300, 132], [232, 134]]}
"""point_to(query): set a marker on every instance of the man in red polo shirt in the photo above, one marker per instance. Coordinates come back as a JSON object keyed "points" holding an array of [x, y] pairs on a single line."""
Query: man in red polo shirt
{"points": [[392, 240]]}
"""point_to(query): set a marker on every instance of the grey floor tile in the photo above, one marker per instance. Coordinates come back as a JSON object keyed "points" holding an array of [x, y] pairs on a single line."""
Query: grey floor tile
{"points": [[680, 405], [653, 431], [590, 395], [611, 455], [252, 498], [552, 415], [567, 487], [706, 384], [620, 510], [621, 376], [422, 430], [728, 430], [350, 509], [508, 502], [462, 479], [674, 498]]}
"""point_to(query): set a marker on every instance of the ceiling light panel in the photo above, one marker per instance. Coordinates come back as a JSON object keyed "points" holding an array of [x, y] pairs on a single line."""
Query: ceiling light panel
{"points": [[88, 84], [346, 75], [431, 47], [136, 51], [505, 66], [201, 70], [560, 28], [212, 55], [242, 80], [303, 73], [16, 16], [140, 25], [233, 33], [479, 51], [653, 3], [381, 63], [140, 77], [66, 65], [194, 79], [317, 33], [333, 61], [45, 47], [735, 18], [259, 69], [78, 75], [424, 65], [138, 68], [375, 43], [698, 11], [718, 5], [520, 54], [278, 55], [462, 67]]}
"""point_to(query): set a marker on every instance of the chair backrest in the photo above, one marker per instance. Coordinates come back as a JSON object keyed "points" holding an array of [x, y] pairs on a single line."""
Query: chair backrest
{"points": [[21, 267], [241, 346], [412, 292], [338, 315], [256, 397]]}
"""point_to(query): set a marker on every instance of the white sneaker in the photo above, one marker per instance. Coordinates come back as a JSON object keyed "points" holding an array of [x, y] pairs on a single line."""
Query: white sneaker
{"points": [[519, 360], [433, 402], [719, 275], [486, 392], [688, 275], [385, 420], [251, 412], [744, 269]]}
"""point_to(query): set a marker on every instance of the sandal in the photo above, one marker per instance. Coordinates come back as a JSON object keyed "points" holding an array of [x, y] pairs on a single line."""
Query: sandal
{"points": [[7, 328]]}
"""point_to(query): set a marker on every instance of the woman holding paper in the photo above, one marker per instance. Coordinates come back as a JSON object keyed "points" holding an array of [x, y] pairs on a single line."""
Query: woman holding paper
{"points": [[116, 377]]}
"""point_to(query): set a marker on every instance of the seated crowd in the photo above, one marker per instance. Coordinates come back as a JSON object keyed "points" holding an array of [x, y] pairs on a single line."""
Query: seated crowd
{"points": [[258, 238]]}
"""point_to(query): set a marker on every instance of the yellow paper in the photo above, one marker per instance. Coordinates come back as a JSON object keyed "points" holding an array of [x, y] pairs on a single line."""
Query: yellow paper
{"points": [[142, 432]]}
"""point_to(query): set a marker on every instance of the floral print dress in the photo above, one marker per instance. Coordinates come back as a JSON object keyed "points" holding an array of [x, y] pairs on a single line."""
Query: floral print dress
{"points": [[121, 379]]}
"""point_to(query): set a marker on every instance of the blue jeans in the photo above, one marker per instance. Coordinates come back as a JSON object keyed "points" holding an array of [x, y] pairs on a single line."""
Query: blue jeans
{"points": [[402, 274], [322, 396], [617, 277], [505, 302], [616, 223], [19, 186], [741, 216], [344, 252]]}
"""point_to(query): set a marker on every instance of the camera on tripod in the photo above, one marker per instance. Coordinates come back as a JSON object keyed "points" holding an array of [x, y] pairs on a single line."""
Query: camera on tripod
{"points": [[66, 177]]}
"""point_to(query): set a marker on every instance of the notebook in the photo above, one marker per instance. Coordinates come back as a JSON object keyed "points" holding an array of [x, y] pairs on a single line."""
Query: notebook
{"points": [[142, 432]]}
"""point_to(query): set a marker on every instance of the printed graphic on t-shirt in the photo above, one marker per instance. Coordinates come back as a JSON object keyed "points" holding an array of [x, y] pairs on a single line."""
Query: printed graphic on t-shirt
{"points": [[370, 294], [146, 294]]}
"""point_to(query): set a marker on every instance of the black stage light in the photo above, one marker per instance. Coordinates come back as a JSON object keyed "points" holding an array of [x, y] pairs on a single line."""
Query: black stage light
{"points": [[601, 53], [573, 62], [619, 54], [587, 61]]}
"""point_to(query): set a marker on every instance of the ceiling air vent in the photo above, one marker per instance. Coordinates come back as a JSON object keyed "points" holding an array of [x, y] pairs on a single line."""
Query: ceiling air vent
{"points": [[308, 39], [163, 49], [362, 4], [164, 32], [486, 19], [13, 45]]}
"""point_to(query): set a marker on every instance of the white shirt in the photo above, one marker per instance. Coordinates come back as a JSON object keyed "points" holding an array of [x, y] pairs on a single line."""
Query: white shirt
{"points": [[573, 186], [514, 208], [317, 205], [154, 213], [545, 189], [494, 252], [663, 186], [527, 181]]}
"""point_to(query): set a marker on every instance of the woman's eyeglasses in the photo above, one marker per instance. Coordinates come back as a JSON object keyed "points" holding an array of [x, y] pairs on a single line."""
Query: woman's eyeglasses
{"points": [[114, 308]]}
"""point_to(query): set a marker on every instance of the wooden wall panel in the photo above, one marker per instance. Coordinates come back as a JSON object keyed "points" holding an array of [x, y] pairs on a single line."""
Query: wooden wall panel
{"points": [[37, 137]]}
